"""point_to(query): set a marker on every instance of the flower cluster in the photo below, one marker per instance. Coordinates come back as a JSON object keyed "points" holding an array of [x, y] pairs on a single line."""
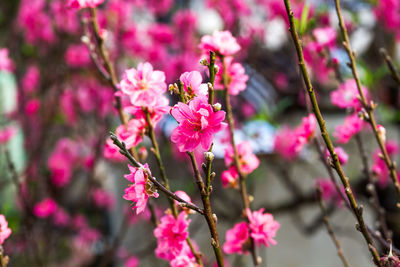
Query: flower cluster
{"points": [[261, 228], [171, 236], [247, 160], [379, 167], [141, 189], [289, 142]]}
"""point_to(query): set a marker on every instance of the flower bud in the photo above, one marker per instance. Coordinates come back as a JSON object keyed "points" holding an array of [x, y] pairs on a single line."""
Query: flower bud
{"points": [[209, 156], [217, 107]]}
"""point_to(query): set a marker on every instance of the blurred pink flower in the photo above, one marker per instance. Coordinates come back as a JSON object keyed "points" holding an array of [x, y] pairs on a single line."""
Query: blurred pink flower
{"points": [[77, 55], [141, 188], [236, 77], [341, 153], [131, 262], [61, 217], [263, 227], [111, 152], [157, 111], [7, 133], [102, 198], [230, 177], [325, 37], [85, 3], [329, 192], [351, 126], [237, 239], [197, 123], [143, 85], [346, 96], [5, 232], [31, 79], [132, 134], [379, 167], [248, 161], [6, 63], [221, 42], [45, 208], [32, 107]]}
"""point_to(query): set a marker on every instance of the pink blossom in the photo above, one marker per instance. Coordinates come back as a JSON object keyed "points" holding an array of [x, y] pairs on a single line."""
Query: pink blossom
{"points": [[342, 155], [132, 134], [171, 235], [5, 232], [192, 83], [318, 64], [236, 77], [141, 188], [237, 239], [351, 126], [61, 217], [346, 96], [221, 42], [197, 123], [387, 12], [248, 161], [31, 79], [230, 177], [325, 37], [85, 3], [379, 167], [7, 133], [6, 63], [45, 208], [157, 111], [288, 143], [131, 262], [161, 33], [111, 151], [77, 55], [184, 196], [68, 106], [329, 192], [86, 237], [263, 227], [185, 21], [32, 107], [143, 85], [102, 198]]}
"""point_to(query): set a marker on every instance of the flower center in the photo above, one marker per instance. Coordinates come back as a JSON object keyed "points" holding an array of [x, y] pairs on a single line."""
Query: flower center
{"points": [[142, 84]]}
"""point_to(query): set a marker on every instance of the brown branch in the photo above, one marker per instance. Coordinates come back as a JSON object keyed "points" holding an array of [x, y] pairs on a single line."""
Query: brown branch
{"points": [[330, 229], [357, 210], [369, 107], [389, 62]]}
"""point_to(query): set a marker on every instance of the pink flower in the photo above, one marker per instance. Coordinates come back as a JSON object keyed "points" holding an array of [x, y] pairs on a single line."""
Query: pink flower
{"points": [[7, 133], [85, 3], [132, 134], [263, 227], [192, 83], [248, 161], [325, 37], [387, 12], [6, 63], [352, 125], [5, 232], [31, 79], [230, 177], [171, 235], [143, 85], [32, 107], [236, 77], [288, 143], [61, 217], [157, 111], [342, 155], [77, 55], [185, 197], [141, 188], [237, 239], [131, 262], [221, 42], [45, 208], [346, 96], [111, 152], [329, 192], [379, 167], [102, 198], [197, 123]]}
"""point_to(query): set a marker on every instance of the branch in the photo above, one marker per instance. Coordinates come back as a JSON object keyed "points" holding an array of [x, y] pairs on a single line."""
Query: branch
{"points": [[369, 107], [159, 185], [357, 210], [393, 71]]}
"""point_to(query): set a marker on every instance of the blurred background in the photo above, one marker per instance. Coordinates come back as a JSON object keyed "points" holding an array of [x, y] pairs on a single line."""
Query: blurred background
{"points": [[57, 110]]}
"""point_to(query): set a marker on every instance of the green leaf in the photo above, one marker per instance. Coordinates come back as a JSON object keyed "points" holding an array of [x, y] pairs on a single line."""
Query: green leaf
{"points": [[303, 19]]}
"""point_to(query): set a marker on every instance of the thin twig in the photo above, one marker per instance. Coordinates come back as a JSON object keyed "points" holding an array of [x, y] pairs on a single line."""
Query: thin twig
{"points": [[369, 107], [389, 62], [330, 229], [357, 210], [159, 185], [242, 177]]}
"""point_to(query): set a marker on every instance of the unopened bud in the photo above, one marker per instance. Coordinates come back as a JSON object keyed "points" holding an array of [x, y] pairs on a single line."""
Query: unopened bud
{"points": [[85, 39], [217, 107], [143, 154], [209, 156], [381, 132], [215, 218], [204, 62]]}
